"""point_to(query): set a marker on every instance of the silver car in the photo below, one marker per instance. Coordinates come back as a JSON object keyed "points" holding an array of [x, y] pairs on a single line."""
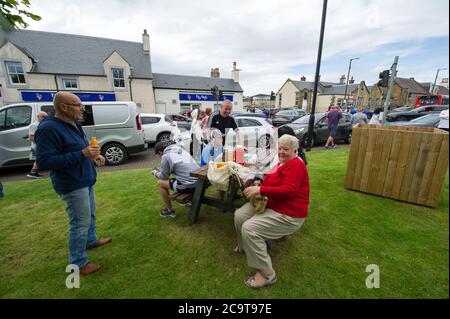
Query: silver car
{"points": [[116, 125]]}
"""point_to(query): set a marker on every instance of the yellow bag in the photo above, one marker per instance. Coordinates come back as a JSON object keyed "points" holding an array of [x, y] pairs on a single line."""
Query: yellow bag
{"points": [[219, 175], [259, 203]]}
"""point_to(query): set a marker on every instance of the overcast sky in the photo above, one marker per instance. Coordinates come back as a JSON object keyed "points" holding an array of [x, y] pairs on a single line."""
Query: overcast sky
{"points": [[270, 40]]}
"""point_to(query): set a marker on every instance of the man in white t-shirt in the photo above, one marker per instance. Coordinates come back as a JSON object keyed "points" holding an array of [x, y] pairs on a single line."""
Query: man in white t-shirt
{"points": [[443, 120], [33, 127]]}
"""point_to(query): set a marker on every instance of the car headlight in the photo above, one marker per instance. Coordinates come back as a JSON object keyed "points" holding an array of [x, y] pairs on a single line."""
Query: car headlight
{"points": [[299, 130]]}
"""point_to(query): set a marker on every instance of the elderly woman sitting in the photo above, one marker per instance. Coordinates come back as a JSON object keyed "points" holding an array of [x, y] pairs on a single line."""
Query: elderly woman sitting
{"points": [[287, 190]]}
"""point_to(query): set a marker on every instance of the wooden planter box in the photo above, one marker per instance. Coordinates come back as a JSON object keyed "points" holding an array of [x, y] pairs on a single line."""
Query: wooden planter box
{"points": [[403, 163]]}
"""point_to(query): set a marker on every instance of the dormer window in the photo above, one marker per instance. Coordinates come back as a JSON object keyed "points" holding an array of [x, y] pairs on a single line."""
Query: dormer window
{"points": [[118, 78]]}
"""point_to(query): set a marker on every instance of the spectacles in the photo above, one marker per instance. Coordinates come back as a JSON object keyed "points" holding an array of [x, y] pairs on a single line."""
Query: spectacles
{"points": [[80, 105]]}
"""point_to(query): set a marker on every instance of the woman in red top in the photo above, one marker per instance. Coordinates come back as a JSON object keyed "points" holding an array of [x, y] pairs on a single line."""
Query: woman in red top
{"points": [[287, 190]]}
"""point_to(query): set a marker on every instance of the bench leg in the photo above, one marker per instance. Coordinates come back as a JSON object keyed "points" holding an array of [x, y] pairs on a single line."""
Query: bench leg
{"points": [[199, 192]]}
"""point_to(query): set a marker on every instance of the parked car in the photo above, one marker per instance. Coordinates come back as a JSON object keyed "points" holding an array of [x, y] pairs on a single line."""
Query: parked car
{"points": [[287, 116], [402, 109], [429, 120], [415, 113], [183, 122], [158, 127], [186, 113], [320, 130], [116, 125]]}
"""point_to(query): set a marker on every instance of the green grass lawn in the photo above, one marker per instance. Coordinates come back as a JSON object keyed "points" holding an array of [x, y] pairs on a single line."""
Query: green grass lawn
{"points": [[152, 257]]}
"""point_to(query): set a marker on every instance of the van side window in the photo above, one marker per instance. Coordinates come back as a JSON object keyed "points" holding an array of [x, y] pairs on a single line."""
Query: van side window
{"points": [[49, 109], [88, 116], [150, 120], [14, 117]]}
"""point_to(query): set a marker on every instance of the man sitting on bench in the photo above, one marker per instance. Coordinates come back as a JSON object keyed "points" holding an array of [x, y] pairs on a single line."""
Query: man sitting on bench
{"points": [[176, 162]]}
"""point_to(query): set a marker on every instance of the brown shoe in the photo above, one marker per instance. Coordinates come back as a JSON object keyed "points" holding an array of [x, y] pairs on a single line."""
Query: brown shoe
{"points": [[100, 242], [89, 269]]}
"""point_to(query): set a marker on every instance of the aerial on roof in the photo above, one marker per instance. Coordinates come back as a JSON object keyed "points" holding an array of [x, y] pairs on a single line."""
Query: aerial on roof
{"points": [[58, 53], [187, 82]]}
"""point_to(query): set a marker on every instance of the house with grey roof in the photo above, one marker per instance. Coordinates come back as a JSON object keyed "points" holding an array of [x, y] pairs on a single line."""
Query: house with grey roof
{"points": [[300, 93], [34, 65], [177, 93], [437, 89]]}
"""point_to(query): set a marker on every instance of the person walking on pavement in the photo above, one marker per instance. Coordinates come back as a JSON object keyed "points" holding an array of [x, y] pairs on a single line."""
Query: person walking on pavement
{"points": [[333, 118], [32, 130], [63, 149]]}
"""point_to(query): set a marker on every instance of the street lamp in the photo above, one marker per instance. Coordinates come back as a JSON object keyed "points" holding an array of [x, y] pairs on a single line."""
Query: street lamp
{"points": [[435, 79], [348, 75]]}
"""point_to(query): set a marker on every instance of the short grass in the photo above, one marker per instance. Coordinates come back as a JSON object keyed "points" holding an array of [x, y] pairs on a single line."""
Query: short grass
{"points": [[151, 257]]}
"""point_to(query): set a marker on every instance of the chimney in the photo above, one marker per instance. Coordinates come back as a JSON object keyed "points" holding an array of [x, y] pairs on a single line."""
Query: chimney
{"points": [[303, 78], [235, 73], [146, 42], [351, 81], [342, 79], [215, 73]]}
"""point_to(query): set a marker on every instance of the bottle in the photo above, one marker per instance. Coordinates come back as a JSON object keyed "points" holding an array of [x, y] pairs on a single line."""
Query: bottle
{"points": [[240, 154], [94, 143]]}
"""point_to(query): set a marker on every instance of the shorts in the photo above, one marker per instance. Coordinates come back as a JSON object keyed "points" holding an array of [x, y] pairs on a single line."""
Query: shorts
{"points": [[332, 130], [176, 186]]}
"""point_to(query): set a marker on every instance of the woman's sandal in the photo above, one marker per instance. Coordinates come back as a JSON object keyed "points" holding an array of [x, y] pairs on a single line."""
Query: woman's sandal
{"points": [[269, 280], [238, 250]]}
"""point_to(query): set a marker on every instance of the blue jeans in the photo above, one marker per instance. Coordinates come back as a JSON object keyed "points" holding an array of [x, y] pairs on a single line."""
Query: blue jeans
{"points": [[82, 230], [1, 190]]}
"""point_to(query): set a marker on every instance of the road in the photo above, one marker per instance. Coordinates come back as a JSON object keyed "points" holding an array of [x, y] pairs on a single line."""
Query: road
{"points": [[145, 159]]}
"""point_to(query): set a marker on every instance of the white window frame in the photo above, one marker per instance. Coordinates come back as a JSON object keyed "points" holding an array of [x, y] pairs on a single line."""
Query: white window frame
{"points": [[124, 87], [69, 79], [9, 73]]}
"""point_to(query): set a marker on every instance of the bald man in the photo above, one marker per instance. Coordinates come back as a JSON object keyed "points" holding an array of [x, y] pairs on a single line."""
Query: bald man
{"points": [[31, 131], [62, 148]]}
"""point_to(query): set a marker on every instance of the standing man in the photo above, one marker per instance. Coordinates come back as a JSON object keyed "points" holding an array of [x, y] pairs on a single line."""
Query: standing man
{"points": [[223, 121], [359, 117], [62, 148], [333, 118], [32, 130]]}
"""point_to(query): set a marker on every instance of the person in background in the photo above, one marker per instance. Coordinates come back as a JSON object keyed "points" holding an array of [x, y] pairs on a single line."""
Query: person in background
{"points": [[213, 150], [64, 150], [205, 119], [176, 161], [333, 118], [32, 130], [443, 120], [376, 116], [287, 189], [224, 121], [359, 117]]}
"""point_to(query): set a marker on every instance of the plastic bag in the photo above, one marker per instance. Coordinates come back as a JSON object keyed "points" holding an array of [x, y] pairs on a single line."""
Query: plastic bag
{"points": [[219, 174]]}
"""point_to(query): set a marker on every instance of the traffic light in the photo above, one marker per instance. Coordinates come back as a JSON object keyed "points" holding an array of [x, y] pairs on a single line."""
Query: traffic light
{"points": [[384, 76], [272, 96]]}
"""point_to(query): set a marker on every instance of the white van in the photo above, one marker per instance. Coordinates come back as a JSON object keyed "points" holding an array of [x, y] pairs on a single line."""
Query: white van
{"points": [[117, 126]]}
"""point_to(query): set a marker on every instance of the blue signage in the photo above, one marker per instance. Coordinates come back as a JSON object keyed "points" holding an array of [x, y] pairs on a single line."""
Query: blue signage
{"points": [[202, 97], [84, 96]]}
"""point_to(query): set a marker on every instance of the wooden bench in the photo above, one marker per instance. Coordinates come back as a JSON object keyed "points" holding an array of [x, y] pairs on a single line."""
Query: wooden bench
{"points": [[181, 198]]}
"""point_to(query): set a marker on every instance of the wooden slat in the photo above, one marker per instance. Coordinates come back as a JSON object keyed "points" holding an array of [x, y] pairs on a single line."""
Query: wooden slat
{"points": [[387, 138], [352, 157], [360, 159], [368, 160], [392, 163], [421, 161], [375, 165], [430, 166], [402, 162], [409, 171], [439, 174]]}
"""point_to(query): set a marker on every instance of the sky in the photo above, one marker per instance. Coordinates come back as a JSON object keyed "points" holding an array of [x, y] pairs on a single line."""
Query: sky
{"points": [[271, 41]]}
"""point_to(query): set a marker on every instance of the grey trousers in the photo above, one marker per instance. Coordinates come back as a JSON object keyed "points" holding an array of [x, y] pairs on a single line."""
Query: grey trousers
{"points": [[254, 229]]}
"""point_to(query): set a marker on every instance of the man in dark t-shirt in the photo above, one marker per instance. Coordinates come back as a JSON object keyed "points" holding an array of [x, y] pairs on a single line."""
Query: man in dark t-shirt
{"points": [[224, 121], [333, 118]]}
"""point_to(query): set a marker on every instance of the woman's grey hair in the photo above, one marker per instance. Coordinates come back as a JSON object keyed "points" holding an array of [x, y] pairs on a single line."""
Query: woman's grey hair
{"points": [[290, 140]]}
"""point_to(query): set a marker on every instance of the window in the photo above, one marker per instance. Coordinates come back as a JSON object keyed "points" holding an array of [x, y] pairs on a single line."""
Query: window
{"points": [[88, 116], [118, 78], [70, 84], [15, 72], [15, 117], [49, 109], [279, 100], [248, 123], [297, 99], [149, 120]]}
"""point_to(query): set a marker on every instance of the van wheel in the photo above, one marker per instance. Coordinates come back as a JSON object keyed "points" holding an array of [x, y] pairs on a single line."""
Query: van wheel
{"points": [[348, 140], [114, 154], [164, 137]]}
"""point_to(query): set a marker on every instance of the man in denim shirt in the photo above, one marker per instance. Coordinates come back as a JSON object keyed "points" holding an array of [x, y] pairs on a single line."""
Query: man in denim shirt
{"points": [[63, 149]]}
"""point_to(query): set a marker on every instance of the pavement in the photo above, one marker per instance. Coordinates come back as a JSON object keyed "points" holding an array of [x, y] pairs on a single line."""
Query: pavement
{"points": [[145, 159]]}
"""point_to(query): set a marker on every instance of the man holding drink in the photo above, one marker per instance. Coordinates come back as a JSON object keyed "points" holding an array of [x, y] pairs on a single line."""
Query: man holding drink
{"points": [[64, 150]]}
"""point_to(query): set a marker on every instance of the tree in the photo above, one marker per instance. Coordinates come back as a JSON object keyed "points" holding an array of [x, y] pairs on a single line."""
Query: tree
{"points": [[13, 13]]}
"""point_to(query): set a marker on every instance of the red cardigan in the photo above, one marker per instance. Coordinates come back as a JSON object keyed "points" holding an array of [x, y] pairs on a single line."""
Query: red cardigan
{"points": [[287, 188]]}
